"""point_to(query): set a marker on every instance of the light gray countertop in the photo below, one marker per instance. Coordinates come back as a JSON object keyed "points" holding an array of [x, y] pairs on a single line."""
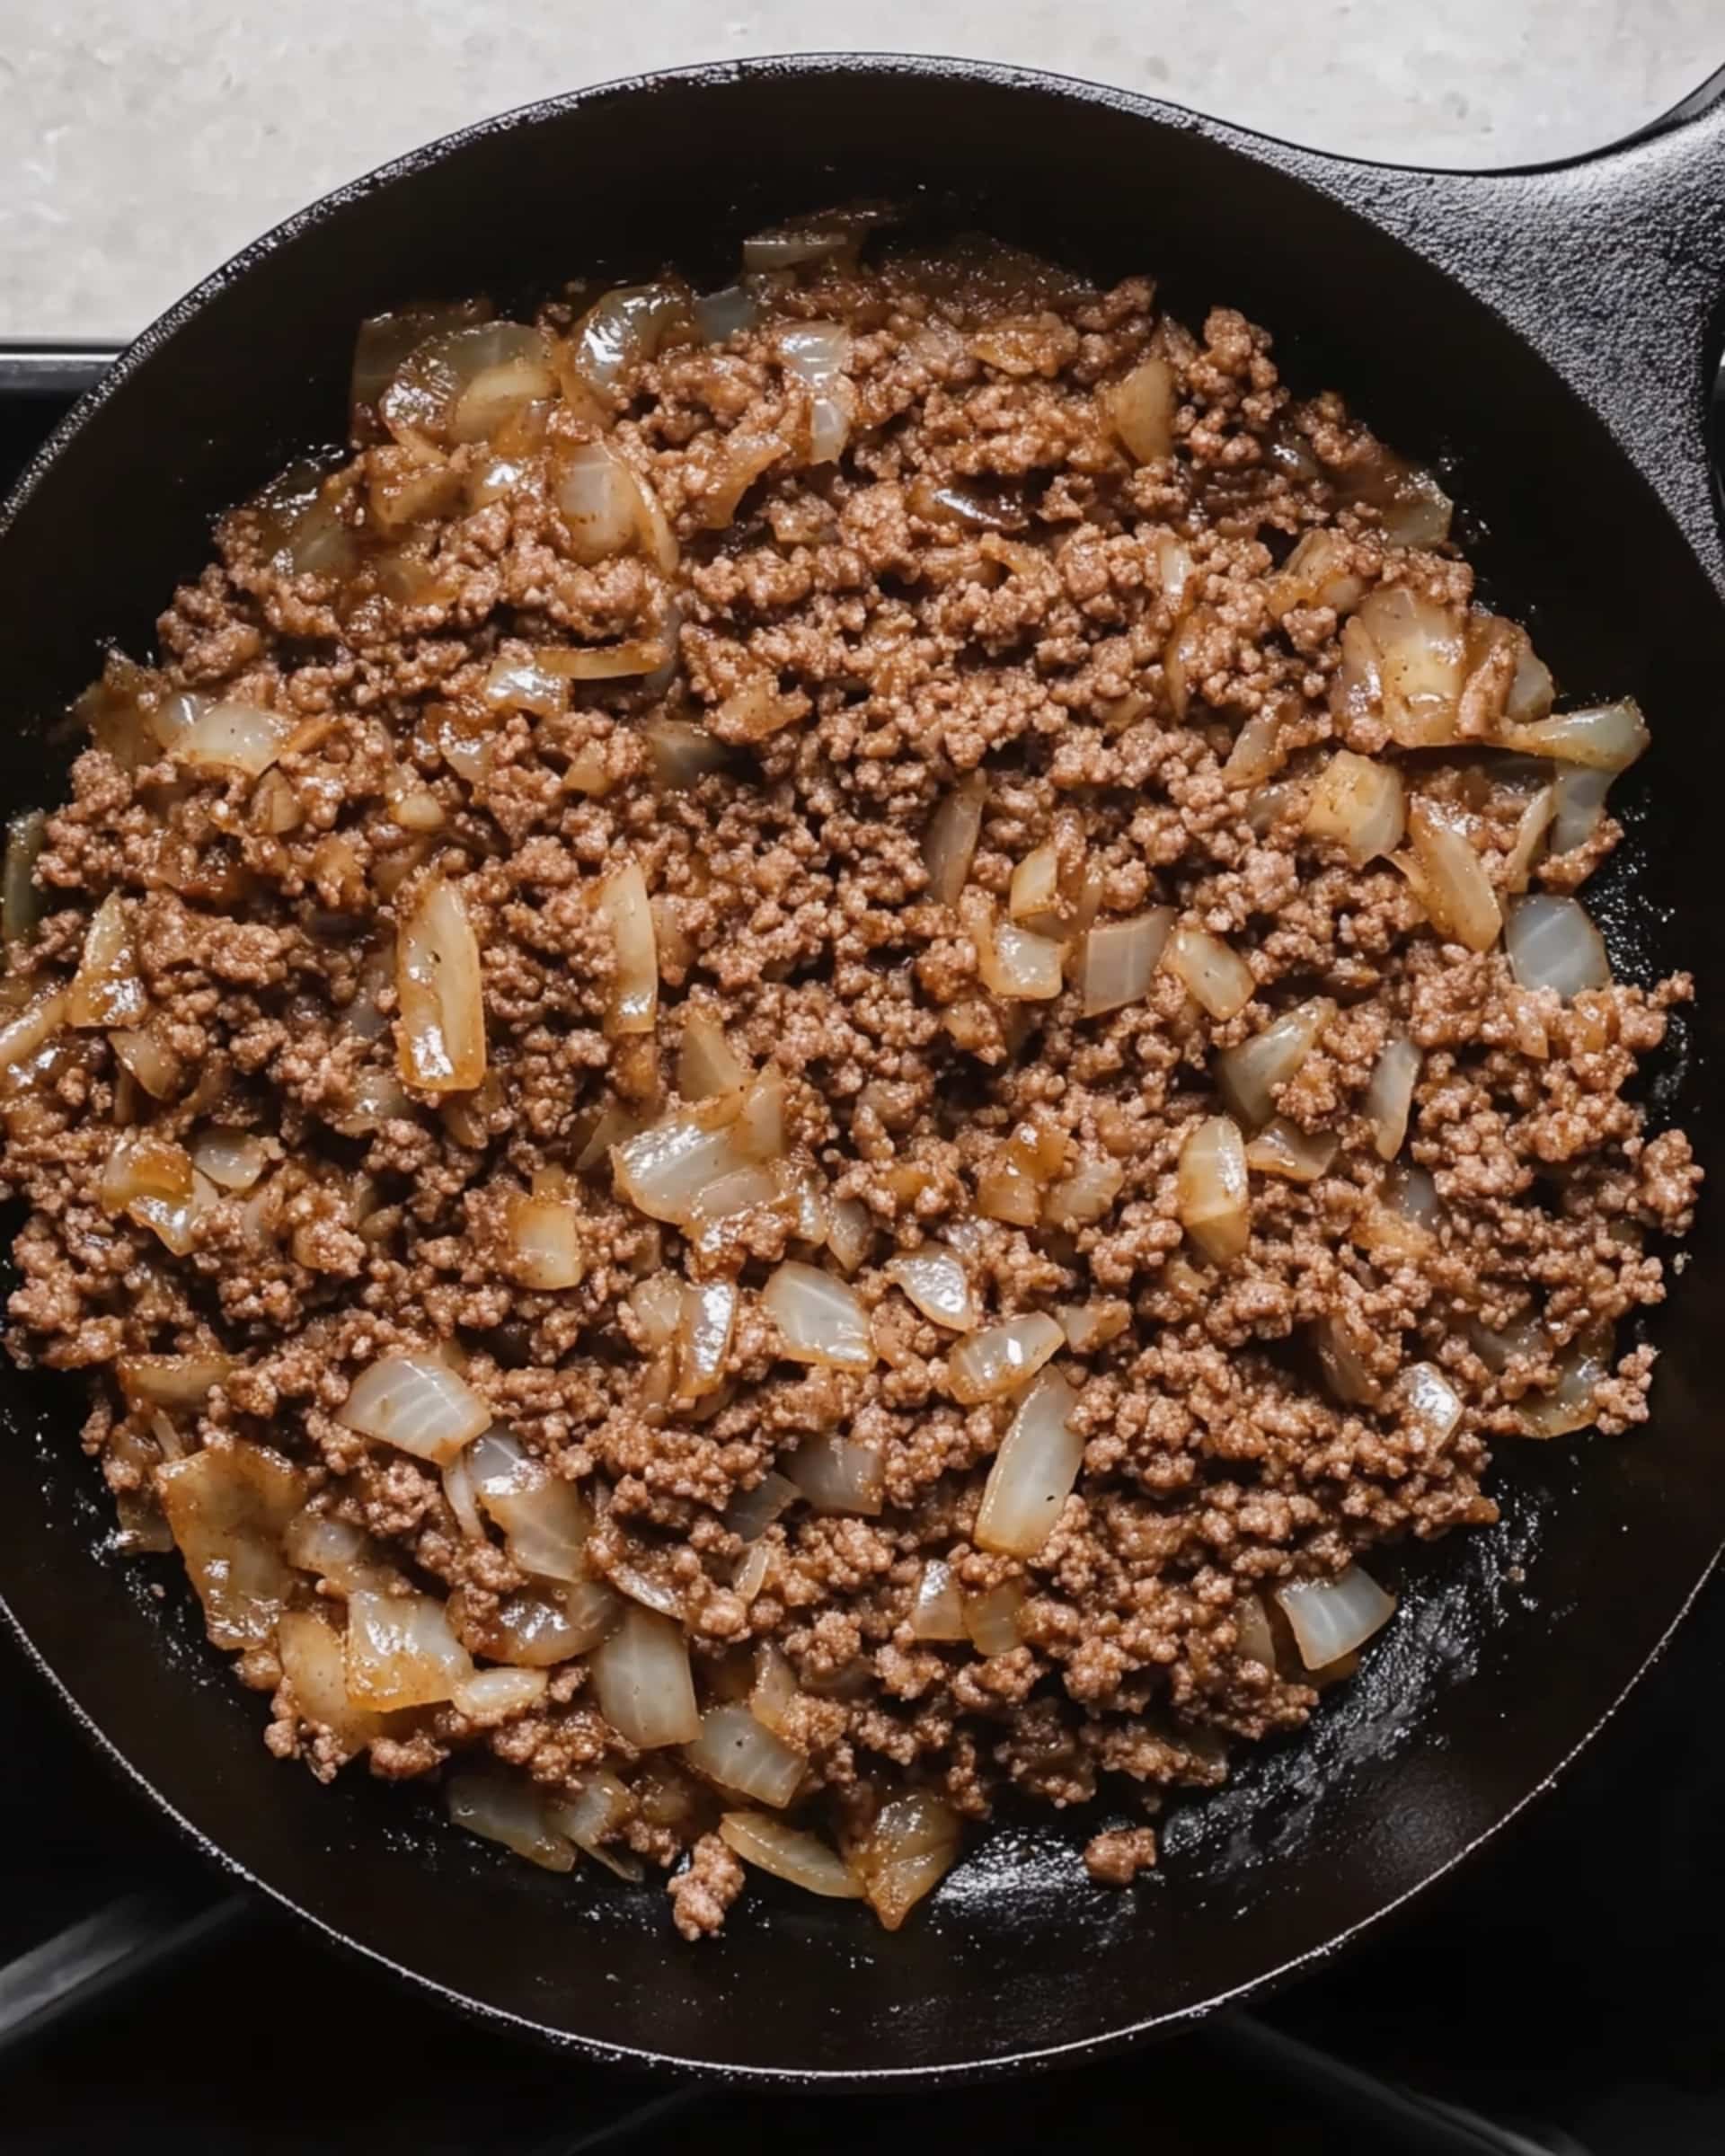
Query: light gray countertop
{"points": [[143, 141]]}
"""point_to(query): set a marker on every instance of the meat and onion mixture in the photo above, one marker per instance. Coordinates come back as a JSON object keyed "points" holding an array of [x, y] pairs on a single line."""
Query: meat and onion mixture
{"points": [[805, 1052]]}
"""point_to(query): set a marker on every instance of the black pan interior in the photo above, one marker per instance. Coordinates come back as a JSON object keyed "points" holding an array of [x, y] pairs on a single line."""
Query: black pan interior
{"points": [[1514, 1645]]}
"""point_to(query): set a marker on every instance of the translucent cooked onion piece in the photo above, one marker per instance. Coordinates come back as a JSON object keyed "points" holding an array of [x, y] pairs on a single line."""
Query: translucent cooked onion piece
{"points": [[707, 1324], [1036, 883], [1139, 409], [416, 1403], [1552, 944], [1033, 1473], [1331, 1618], [817, 354], [1012, 962], [802, 1858], [315, 1665], [1214, 1196], [707, 1067], [227, 1505], [623, 330], [491, 1696], [546, 1519], [850, 1233], [1250, 1076], [172, 1381], [837, 1475], [938, 1611], [458, 1488], [936, 1282], [642, 1677], [598, 1808], [634, 994], [1298, 1156], [1421, 653], [949, 842], [107, 989], [1569, 1405], [441, 1035], [726, 314], [1346, 1371], [1449, 879], [499, 1808], [1120, 960], [545, 1249], [1356, 804], [1093, 1324], [1086, 1195], [234, 739], [542, 1626], [401, 1651], [744, 1756], [1531, 830], [682, 752], [911, 1846], [1579, 805], [232, 1160], [989, 1364], [751, 1512], [1389, 1096], [663, 1170], [820, 1318], [1425, 1396], [1607, 737], [20, 901], [344, 1555], [1216, 976], [152, 1180], [991, 1618]]}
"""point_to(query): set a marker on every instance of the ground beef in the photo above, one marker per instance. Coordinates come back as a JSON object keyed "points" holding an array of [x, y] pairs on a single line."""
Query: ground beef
{"points": [[874, 641]]}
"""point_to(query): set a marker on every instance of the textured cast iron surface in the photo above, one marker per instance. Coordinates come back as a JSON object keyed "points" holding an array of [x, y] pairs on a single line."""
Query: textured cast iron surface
{"points": [[1543, 336]]}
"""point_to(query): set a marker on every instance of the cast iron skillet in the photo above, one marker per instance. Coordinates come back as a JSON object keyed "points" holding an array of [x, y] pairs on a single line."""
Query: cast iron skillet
{"points": [[1545, 334]]}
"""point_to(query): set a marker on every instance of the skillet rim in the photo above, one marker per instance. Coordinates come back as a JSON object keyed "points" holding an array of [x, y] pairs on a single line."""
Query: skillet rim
{"points": [[1301, 166]]}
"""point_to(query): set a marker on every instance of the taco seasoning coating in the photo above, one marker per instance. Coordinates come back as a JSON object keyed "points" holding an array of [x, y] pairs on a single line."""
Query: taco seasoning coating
{"points": [[804, 1050]]}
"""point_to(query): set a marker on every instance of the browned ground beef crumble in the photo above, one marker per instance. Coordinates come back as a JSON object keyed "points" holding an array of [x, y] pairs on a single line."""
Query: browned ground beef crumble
{"points": [[984, 581]]}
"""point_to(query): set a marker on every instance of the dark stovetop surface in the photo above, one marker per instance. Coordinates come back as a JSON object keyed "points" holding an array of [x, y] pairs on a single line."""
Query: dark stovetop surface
{"points": [[1570, 1987]]}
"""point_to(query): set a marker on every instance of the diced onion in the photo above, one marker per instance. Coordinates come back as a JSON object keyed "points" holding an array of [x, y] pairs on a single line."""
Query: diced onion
{"points": [[752, 1512], [819, 1318], [789, 246], [1033, 1473], [172, 1381], [601, 662], [22, 1039], [416, 1403], [1091, 1325], [726, 314], [1579, 804], [936, 1282], [664, 1170], [545, 1242], [541, 1627], [622, 329], [707, 1067], [818, 355], [1331, 1618], [440, 1034], [682, 751], [232, 1159], [741, 1754], [849, 1231], [1012, 962], [1217, 977], [988, 1364], [1535, 821], [1389, 1097], [1120, 960], [231, 738], [491, 1696], [1036, 883], [20, 901], [624, 902], [401, 1651], [708, 1322], [1140, 410], [938, 1611], [1358, 804], [1449, 879], [1426, 1397], [1607, 737], [1552, 944], [458, 1488], [991, 1618], [789, 1853], [836, 1474], [1346, 1371], [598, 499], [598, 1808], [642, 1677], [1251, 1074], [1085, 1195], [1422, 661], [1282, 1148], [345, 1556], [107, 989], [157, 1068], [1570, 1405], [315, 1665], [511, 1811], [1214, 1197], [227, 1505], [949, 842], [545, 1519], [911, 1846]]}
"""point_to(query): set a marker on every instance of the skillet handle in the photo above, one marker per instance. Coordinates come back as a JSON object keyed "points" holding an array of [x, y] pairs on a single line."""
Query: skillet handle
{"points": [[1613, 266]]}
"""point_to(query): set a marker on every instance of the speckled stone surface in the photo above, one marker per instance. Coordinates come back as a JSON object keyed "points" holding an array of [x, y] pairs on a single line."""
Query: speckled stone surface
{"points": [[143, 141]]}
